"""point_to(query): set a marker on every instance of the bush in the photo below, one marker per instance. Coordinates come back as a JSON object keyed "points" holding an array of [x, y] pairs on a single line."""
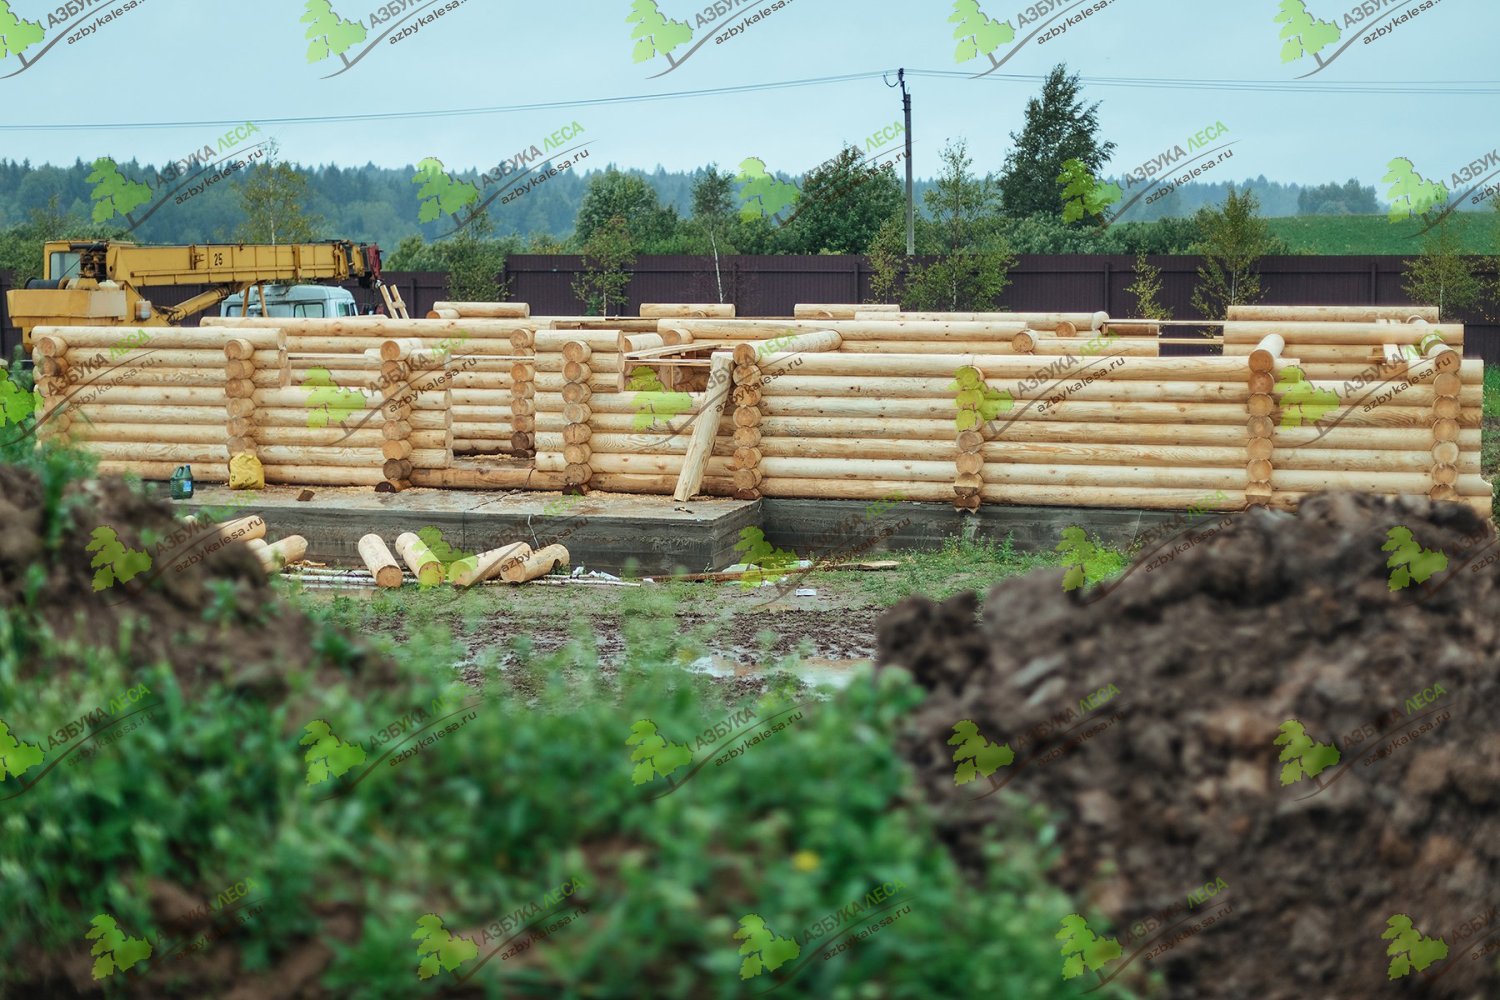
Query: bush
{"points": [[528, 795]]}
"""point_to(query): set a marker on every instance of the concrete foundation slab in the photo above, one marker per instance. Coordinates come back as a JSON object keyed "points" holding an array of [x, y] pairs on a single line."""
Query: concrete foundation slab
{"points": [[604, 532], [655, 535]]}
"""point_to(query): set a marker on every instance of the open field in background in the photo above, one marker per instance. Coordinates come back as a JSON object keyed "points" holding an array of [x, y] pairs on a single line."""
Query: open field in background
{"points": [[1376, 234]]}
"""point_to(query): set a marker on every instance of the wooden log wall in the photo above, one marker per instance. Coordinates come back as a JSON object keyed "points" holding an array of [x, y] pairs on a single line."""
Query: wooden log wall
{"points": [[595, 434], [146, 401], [484, 355], [1378, 405]]}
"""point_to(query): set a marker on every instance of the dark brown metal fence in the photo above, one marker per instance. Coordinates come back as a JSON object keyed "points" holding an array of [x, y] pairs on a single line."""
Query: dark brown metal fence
{"points": [[771, 286]]}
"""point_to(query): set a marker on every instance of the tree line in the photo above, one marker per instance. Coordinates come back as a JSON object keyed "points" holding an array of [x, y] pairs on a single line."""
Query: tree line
{"points": [[1051, 195]]}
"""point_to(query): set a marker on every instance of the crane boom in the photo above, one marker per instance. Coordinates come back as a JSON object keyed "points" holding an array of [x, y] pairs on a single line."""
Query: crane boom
{"points": [[100, 283]]}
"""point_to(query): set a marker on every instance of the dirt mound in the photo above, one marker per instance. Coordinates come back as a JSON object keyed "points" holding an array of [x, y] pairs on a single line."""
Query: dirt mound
{"points": [[210, 613], [1174, 781]]}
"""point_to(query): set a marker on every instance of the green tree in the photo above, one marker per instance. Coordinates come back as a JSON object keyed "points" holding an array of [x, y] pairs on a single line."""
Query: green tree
{"points": [[764, 951], [608, 255], [545, 243], [328, 756], [763, 196], [440, 949], [1302, 403], [1303, 757], [713, 216], [973, 260], [1083, 948], [21, 245], [115, 194], [1411, 195], [977, 34], [16, 757], [474, 260], [654, 34], [888, 260], [843, 205], [614, 195], [766, 562], [440, 194], [274, 199], [1304, 35], [114, 562], [1410, 562], [1442, 275], [655, 757], [1146, 288], [471, 258], [329, 34], [1235, 238], [17, 35], [1084, 195], [976, 755], [1059, 127], [1410, 948], [1349, 198], [115, 951]]}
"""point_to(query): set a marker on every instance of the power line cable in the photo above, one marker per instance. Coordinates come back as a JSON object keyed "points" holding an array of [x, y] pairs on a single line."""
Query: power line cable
{"points": [[1431, 88]]}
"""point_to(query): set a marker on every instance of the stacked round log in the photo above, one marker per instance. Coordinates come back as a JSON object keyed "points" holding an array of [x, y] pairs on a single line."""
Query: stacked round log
{"points": [[684, 311], [1260, 429], [637, 432], [1061, 324], [412, 380], [848, 311], [968, 481], [1447, 386], [896, 336], [628, 324], [240, 371], [479, 310], [577, 391], [317, 434], [482, 363], [146, 401], [1372, 405], [749, 379], [1104, 430], [1336, 314], [523, 393]]}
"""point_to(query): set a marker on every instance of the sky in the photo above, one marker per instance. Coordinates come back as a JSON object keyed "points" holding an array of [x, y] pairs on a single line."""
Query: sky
{"points": [[157, 79]]}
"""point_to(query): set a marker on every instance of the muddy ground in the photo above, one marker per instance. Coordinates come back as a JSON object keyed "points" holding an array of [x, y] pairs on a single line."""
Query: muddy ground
{"points": [[1177, 780]]}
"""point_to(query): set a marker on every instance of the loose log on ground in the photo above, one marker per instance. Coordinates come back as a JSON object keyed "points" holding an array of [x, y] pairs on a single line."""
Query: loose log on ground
{"points": [[419, 559], [530, 565], [380, 562]]}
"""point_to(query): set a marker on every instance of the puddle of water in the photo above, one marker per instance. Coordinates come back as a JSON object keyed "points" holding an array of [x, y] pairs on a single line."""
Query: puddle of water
{"points": [[815, 671]]}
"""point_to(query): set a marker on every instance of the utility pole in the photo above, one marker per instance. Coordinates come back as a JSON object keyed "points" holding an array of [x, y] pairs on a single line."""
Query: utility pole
{"points": [[911, 208]]}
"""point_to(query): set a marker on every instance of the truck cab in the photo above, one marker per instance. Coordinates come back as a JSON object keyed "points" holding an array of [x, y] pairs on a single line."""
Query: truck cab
{"points": [[298, 301]]}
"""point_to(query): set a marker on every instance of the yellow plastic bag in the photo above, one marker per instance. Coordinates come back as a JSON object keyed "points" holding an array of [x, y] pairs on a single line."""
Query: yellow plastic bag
{"points": [[246, 473]]}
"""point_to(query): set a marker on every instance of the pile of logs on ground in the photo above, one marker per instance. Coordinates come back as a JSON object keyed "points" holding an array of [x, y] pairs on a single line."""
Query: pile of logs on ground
{"points": [[839, 402]]}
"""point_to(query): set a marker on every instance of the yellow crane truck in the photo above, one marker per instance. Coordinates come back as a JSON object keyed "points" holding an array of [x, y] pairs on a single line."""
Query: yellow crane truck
{"points": [[101, 283]]}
